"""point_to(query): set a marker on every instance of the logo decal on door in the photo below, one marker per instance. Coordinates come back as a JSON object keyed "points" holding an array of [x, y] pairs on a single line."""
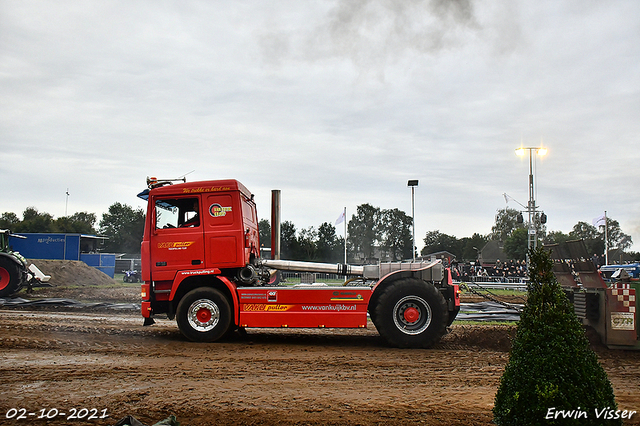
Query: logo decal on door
{"points": [[216, 210]]}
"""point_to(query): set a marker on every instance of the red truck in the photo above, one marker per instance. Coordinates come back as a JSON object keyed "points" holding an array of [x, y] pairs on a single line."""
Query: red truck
{"points": [[201, 265]]}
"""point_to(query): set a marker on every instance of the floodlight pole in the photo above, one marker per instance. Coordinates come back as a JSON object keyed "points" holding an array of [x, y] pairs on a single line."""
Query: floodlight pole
{"points": [[532, 237], [532, 240], [413, 183]]}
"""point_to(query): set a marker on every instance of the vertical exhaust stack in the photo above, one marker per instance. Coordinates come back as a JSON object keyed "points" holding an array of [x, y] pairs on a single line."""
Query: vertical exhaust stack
{"points": [[275, 224]]}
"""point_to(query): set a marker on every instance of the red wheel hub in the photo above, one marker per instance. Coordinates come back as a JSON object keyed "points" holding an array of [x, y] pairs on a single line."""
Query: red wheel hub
{"points": [[411, 315], [203, 315], [4, 278]]}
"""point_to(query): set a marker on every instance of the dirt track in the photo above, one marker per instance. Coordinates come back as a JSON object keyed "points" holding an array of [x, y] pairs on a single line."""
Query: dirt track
{"points": [[67, 360]]}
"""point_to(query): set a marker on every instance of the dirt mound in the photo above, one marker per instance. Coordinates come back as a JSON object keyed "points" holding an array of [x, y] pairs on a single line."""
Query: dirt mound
{"points": [[71, 273]]}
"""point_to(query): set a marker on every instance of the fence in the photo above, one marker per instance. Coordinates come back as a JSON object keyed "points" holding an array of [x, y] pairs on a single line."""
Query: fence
{"points": [[122, 265], [498, 283], [498, 279]]}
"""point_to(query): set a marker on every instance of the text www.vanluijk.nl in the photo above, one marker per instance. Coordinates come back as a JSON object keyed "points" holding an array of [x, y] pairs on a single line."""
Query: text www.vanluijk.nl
{"points": [[330, 308]]}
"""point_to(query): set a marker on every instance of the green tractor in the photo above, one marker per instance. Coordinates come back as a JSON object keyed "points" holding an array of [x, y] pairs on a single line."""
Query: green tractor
{"points": [[14, 272]]}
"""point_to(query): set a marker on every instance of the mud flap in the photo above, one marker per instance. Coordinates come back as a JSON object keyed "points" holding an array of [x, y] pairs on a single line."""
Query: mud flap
{"points": [[147, 322]]}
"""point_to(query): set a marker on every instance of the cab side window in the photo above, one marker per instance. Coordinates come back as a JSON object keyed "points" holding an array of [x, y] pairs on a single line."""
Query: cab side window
{"points": [[177, 213]]}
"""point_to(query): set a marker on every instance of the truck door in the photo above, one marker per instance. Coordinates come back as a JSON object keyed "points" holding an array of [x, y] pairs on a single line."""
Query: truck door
{"points": [[224, 231], [177, 241]]}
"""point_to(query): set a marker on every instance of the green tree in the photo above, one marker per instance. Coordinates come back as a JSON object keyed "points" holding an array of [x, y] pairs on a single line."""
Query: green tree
{"points": [[329, 246], [472, 245], [507, 221], [615, 237], [516, 245], [307, 243], [289, 247], [594, 237], [550, 364], [585, 231], [9, 220], [264, 228], [593, 241], [124, 227], [364, 230], [556, 237], [435, 241], [34, 221], [397, 239], [78, 223]]}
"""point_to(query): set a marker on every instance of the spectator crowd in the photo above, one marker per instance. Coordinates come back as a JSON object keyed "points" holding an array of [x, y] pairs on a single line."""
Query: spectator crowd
{"points": [[507, 271]]}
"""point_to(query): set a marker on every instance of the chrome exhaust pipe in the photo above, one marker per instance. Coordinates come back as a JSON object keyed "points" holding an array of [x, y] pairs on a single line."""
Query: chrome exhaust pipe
{"points": [[321, 268], [275, 224]]}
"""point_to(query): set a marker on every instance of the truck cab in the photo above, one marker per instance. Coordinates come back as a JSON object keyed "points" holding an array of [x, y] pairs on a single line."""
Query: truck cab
{"points": [[198, 229]]}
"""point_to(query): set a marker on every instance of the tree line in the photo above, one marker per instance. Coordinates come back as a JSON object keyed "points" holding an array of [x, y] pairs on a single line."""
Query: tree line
{"points": [[513, 231], [376, 234], [372, 234], [122, 225]]}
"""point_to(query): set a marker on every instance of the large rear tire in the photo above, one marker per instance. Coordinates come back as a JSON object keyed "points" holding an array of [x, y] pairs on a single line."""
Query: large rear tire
{"points": [[411, 313], [203, 315], [9, 277]]}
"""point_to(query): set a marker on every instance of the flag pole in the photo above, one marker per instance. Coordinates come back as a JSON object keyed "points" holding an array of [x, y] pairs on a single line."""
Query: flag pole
{"points": [[345, 235], [606, 239]]}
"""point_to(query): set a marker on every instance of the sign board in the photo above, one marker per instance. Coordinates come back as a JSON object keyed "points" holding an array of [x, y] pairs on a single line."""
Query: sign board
{"points": [[622, 321]]}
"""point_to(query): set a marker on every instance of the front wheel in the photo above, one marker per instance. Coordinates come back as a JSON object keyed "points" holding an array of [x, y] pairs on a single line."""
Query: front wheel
{"points": [[411, 313], [9, 277], [203, 315]]}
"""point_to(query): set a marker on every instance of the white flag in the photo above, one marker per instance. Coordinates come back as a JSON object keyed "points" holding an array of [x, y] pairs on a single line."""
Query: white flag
{"points": [[340, 218], [599, 221]]}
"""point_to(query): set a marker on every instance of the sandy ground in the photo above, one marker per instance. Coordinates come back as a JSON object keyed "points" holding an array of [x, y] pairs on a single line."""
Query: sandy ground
{"points": [[68, 359], [108, 361]]}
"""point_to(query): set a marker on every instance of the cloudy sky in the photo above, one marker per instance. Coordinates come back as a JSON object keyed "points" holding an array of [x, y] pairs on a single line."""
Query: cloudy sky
{"points": [[336, 103]]}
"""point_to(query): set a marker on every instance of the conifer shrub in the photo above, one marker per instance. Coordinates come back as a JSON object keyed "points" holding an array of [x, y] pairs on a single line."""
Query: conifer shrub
{"points": [[551, 367]]}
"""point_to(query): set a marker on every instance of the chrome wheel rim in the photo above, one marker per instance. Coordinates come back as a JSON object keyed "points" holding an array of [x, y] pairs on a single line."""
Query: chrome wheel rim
{"points": [[203, 315]]}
